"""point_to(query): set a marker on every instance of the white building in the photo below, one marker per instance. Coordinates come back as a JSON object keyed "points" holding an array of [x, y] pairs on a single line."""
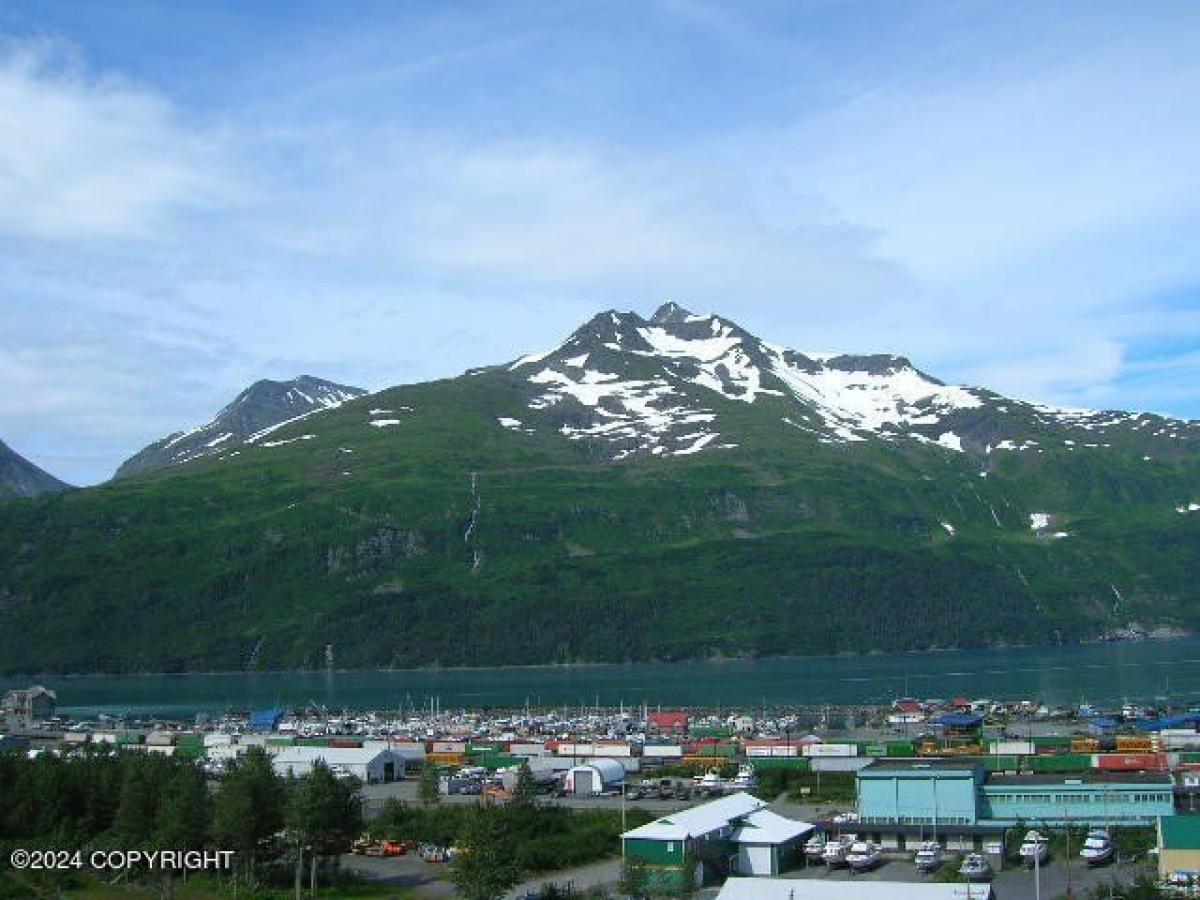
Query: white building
{"points": [[365, 763], [594, 777], [768, 843]]}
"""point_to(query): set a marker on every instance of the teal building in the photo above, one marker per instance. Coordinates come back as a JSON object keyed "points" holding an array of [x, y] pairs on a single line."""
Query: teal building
{"points": [[957, 796]]}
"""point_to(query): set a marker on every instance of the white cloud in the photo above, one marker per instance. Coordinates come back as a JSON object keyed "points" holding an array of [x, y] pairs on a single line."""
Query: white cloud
{"points": [[85, 157]]}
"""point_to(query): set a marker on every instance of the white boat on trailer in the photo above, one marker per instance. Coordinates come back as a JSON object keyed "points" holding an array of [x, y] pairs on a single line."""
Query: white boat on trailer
{"points": [[834, 855], [863, 856], [814, 849], [1035, 849], [1097, 847], [929, 856], [975, 867]]}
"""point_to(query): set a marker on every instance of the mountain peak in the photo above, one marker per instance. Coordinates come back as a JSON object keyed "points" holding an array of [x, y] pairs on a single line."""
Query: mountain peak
{"points": [[671, 313], [21, 478], [264, 405]]}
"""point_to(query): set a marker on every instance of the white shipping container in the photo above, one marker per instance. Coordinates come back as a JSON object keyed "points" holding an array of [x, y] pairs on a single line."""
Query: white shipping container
{"points": [[218, 739], [1011, 748], [449, 747], [614, 749], [758, 750], [528, 749], [104, 737], [831, 750], [160, 739], [77, 737], [576, 750], [663, 751], [784, 750]]}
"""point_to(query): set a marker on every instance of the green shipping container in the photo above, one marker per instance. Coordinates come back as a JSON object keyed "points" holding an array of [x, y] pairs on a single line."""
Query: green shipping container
{"points": [[1001, 763], [710, 732], [794, 763], [128, 737], [1189, 757], [306, 742], [186, 751], [873, 750], [900, 749], [284, 742], [1061, 762], [190, 740]]}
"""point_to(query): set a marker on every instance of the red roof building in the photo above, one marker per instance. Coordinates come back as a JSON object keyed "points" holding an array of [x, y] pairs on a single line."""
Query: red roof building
{"points": [[667, 721]]}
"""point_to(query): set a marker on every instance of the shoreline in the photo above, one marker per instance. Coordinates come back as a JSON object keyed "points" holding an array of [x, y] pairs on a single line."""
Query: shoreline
{"points": [[700, 660]]}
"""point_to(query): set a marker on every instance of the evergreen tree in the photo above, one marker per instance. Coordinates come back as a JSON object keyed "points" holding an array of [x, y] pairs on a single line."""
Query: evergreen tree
{"points": [[484, 868], [323, 815], [635, 881], [182, 822], [248, 809], [138, 804], [525, 790], [429, 790]]}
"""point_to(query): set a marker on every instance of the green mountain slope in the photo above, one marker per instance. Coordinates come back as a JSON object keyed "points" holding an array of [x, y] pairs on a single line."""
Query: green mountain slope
{"points": [[471, 521]]}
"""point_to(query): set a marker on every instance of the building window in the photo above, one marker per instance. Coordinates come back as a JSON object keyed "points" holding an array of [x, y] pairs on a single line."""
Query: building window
{"points": [[670, 846]]}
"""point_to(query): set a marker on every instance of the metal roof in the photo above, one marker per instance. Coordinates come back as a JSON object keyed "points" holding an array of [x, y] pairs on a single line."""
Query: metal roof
{"points": [[1073, 780], [821, 889], [699, 820], [334, 756], [1179, 832], [766, 827]]}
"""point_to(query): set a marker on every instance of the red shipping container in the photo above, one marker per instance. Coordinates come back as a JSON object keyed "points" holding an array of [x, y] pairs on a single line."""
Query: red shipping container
{"points": [[347, 743], [1131, 762]]}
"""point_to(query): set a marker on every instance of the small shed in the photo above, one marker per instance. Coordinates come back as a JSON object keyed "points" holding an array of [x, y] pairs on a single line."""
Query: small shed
{"points": [[596, 776]]}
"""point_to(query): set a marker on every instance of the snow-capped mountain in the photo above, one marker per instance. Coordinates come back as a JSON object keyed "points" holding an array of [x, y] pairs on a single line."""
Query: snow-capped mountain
{"points": [[255, 412], [21, 478], [658, 385]]}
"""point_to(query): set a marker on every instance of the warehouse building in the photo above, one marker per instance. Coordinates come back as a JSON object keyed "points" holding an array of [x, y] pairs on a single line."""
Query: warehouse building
{"points": [[1179, 849], [735, 834], [1094, 798], [367, 764], [900, 801]]}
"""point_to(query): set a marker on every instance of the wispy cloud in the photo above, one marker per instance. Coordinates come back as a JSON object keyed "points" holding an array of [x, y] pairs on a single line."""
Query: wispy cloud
{"points": [[93, 157]]}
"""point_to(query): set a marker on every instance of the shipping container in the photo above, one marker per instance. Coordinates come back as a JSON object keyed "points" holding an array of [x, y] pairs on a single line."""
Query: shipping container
{"points": [[794, 763], [1130, 762], [1086, 745], [901, 749], [830, 750], [1051, 743], [1011, 748], [662, 751], [1054, 763], [459, 747], [1128, 743], [997, 763]]}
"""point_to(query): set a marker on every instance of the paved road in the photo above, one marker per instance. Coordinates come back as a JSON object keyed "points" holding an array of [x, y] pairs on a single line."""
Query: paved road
{"points": [[376, 794]]}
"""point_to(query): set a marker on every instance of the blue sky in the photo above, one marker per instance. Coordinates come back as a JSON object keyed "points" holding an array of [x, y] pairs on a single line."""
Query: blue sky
{"points": [[194, 196]]}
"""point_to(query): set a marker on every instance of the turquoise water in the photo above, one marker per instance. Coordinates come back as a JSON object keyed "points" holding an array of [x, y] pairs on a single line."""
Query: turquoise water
{"points": [[1097, 673]]}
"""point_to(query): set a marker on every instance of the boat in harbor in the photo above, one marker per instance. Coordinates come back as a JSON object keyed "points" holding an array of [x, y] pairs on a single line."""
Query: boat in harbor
{"points": [[863, 856], [975, 867], [835, 852], [929, 856], [1035, 849], [814, 849], [1097, 847], [745, 780]]}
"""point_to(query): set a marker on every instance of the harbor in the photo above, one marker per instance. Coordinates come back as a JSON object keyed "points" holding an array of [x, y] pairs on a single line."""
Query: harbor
{"points": [[1105, 673]]}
